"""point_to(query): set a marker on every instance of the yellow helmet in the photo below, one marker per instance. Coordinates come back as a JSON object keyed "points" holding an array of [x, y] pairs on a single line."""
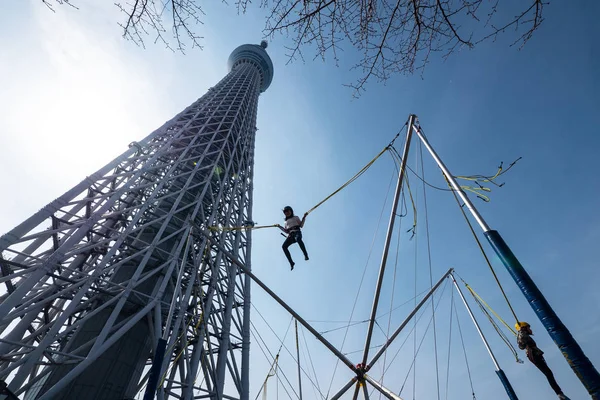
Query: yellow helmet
{"points": [[520, 325]]}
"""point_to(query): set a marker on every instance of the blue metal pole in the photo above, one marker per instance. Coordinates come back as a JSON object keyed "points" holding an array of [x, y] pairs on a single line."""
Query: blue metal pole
{"points": [[503, 379], [581, 365], [154, 377], [507, 386], [570, 349]]}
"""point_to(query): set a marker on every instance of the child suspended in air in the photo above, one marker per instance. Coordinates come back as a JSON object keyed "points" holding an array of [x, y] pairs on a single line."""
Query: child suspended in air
{"points": [[536, 355], [292, 228]]}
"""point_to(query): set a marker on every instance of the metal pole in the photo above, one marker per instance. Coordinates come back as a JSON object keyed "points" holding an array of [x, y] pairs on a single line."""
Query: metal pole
{"points": [[566, 343], [246, 324], [298, 356], [356, 391], [289, 309], [385, 391], [407, 320], [161, 346], [507, 386], [177, 286], [388, 238], [344, 389], [483, 339], [452, 181], [365, 391]]}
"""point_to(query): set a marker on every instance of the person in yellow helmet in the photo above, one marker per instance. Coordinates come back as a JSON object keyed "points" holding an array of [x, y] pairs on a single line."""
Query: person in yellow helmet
{"points": [[536, 355]]}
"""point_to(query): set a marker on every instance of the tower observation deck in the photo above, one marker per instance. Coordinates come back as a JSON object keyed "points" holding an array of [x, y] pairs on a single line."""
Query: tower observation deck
{"points": [[113, 287]]}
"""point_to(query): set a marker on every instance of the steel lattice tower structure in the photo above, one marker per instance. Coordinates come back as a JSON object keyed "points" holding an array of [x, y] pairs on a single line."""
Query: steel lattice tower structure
{"points": [[93, 282]]}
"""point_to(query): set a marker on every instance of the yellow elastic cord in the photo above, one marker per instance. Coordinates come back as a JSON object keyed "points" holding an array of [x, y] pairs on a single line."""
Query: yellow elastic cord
{"points": [[477, 192], [358, 174], [240, 228], [355, 177], [490, 308], [485, 179], [483, 253]]}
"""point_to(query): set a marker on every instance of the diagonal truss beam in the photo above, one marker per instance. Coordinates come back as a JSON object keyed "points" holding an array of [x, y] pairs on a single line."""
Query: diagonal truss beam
{"points": [[289, 309], [382, 389], [407, 320]]}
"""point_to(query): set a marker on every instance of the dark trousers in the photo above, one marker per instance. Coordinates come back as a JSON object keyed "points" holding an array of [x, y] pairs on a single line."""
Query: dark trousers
{"points": [[293, 237], [539, 362]]}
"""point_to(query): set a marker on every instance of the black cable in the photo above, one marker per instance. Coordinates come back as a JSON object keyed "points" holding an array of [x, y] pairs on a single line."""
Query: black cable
{"points": [[358, 351], [361, 282], [405, 303], [462, 341], [449, 342], [497, 329], [421, 343], [437, 371], [267, 357], [397, 135], [418, 319], [394, 150], [273, 357], [311, 361], [387, 334], [284, 346], [342, 327]]}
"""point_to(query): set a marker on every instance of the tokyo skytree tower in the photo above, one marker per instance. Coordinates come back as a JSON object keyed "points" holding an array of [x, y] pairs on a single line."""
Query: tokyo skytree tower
{"points": [[120, 287]]}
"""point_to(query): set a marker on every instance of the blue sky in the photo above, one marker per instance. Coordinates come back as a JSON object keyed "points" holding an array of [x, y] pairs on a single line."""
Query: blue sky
{"points": [[74, 94]]}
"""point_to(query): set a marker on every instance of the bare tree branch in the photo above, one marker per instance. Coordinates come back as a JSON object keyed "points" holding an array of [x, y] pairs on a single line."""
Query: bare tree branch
{"points": [[50, 4], [391, 36], [394, 36]]}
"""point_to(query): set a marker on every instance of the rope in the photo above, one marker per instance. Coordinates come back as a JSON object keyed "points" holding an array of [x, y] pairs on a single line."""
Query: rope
{"points": [[342, 327], [482, 306], [474, 178], [421, 343], [398, 159], [415, 351], [487, 260], [361, 350], [477, 193], [273, 357], [485, 179], [270, 374], [251, 226], [298, 360], [355, 177], [430, 269], [462, 341], [389, 324], [405, 303], [248, 227], [278, 351], [361, 281], [418, 319], [285, 347], [499, 332], [479, 299], [449, 342], [311, 362], [490, 179]]}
